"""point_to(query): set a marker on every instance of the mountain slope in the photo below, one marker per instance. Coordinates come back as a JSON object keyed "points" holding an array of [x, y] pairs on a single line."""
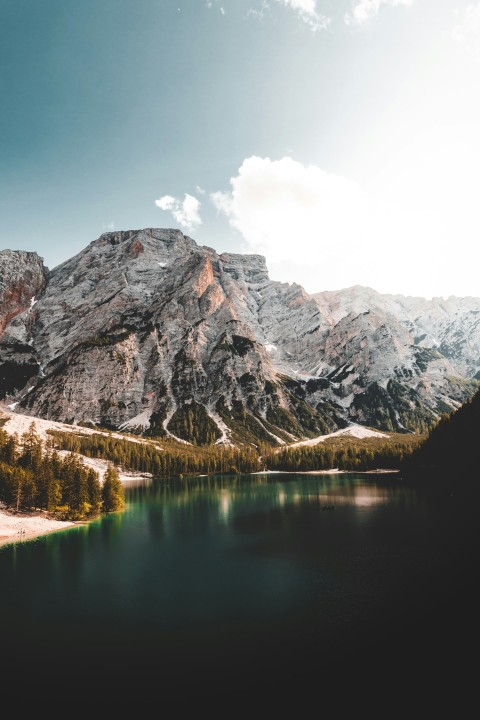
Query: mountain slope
{"points": [[23, 276], [145, 330], [450, 451], [399, 362]]}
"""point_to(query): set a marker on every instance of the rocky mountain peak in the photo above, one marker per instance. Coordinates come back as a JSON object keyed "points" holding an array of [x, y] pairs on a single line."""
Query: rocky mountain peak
{"points": [[148, 331], [251, 269]]}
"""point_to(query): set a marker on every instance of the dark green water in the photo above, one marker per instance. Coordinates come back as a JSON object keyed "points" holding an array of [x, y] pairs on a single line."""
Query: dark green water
{"points": [[213, 583]]}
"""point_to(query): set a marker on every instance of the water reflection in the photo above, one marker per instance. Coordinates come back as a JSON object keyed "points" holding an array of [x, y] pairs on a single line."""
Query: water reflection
{"points": [[225, 505], [212, 571], [222, 497]]}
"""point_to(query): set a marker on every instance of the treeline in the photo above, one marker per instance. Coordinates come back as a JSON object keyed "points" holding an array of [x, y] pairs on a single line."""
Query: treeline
{"points": [[171, 460], [451, 448], [33, 475], [346, 453], [192, 423]]}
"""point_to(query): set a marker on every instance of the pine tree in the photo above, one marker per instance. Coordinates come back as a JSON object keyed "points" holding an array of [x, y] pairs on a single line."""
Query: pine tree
{"points": [[54, 493], [32, 450], [94, 491], [113, 495], [9, 448]]}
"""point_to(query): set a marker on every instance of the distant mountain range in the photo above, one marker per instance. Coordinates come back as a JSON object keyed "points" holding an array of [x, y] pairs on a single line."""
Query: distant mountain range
{"points": [[145, 330]]}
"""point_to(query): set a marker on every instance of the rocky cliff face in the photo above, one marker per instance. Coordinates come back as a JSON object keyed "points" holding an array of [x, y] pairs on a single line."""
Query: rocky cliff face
{"points": [[398, 362], [23, 277], [145, 330]]}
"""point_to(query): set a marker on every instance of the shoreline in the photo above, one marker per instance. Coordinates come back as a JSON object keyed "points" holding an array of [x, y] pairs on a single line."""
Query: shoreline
{"points": [[24, 526], [333, 471]]}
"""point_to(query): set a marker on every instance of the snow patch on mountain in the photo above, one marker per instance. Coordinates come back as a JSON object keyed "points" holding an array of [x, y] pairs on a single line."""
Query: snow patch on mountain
{"points": [[272, 435], [355, 430], [106, 335], [225, 438], [140, 421]]}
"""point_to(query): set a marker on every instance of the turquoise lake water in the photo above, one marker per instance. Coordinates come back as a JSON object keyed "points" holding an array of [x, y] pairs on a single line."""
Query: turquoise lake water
{"points": [[207, 584]]}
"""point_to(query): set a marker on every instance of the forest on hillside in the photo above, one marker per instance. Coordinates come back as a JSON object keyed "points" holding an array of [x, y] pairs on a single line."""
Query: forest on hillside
{"points": [[52, 475], [34, 475], [451, 448], [171, 459], [346, 453]]}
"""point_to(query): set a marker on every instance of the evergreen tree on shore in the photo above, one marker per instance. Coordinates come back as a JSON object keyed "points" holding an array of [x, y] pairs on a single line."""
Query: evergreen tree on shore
{"points": [[34, 476], [113, 495]]}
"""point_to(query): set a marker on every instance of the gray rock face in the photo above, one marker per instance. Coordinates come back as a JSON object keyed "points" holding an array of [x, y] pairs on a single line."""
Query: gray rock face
{"points": [[142, 324], [147, 330], [400, 361], [23, 277]]}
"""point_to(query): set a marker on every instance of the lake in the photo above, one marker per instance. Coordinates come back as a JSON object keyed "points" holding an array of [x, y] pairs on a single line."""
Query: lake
{"points": [[204, 586]]}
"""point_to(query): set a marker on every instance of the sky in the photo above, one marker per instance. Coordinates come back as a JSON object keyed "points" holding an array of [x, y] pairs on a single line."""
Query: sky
{"points": [[338, 138]]}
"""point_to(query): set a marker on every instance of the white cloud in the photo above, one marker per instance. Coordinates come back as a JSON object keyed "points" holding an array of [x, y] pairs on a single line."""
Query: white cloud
{"points": [[307, 10], [185, 212], [166, 202], [298, 217], [214, 3], [111, 226], [414, 230], [363, 10], [259, 14], [466, 31]]}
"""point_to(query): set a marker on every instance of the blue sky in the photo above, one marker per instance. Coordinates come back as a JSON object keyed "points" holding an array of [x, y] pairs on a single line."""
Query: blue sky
{"points": [[339, 138]]}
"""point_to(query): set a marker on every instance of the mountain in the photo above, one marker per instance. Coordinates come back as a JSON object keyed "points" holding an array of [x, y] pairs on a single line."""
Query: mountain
{"points": [[400, 362], [22, 277], [145, 330]]}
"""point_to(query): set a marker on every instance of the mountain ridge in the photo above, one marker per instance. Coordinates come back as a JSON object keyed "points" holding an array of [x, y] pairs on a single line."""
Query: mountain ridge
{"points": [[146, 330]]}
